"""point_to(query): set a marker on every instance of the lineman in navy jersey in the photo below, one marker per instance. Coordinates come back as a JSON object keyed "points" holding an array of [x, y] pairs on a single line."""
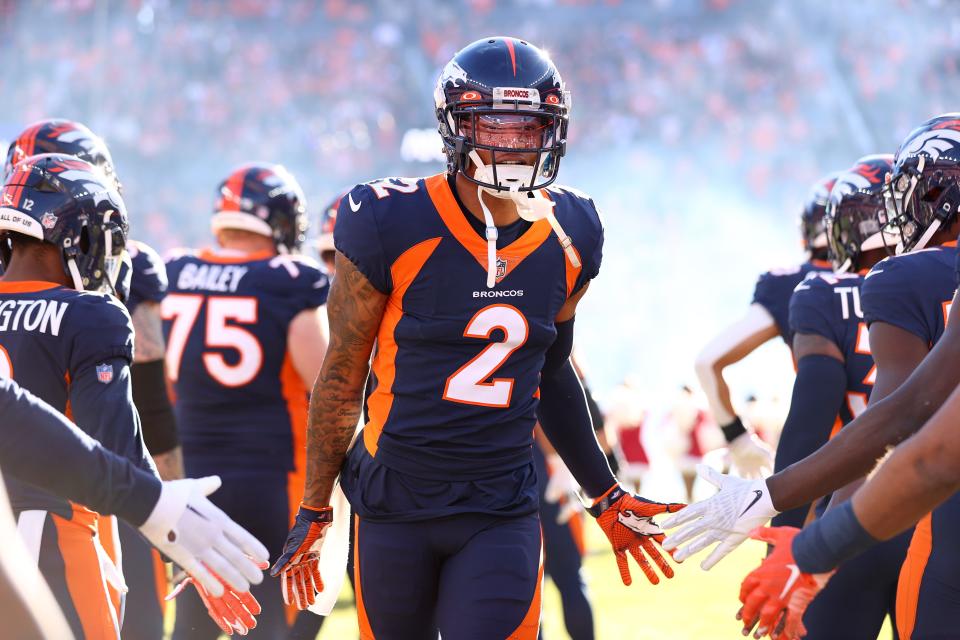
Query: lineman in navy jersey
{"points": [[462, 283], [766, 318], [246, 332]]}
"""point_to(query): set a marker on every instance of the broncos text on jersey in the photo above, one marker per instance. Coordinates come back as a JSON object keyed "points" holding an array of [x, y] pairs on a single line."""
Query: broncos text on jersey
{"points": [[456, 370]]}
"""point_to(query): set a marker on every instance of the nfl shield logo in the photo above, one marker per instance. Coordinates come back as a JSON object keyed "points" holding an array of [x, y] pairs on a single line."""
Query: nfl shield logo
{"points": [[501, 268], [48, 220], [105, 373]]}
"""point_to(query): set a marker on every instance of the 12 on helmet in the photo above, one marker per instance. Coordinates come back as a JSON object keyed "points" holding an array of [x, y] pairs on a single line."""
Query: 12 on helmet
{"points": [[811, 218], [264, 199], [853, 211], [922, 194], [66, 202], [505, 96], [55, 135]]}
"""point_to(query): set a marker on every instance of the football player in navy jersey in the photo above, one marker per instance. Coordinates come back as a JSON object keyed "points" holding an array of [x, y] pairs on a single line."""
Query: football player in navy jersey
{"points": [[467, 282], [835, 376], [33, 431], [766, 318], [907, 298], [246, 332], [141, 286]]}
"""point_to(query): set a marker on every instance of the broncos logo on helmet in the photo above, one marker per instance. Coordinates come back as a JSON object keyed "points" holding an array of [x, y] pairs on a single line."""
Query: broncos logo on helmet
{"points": [[922, 193], [55, 135], [265, 199], [68, 203]]}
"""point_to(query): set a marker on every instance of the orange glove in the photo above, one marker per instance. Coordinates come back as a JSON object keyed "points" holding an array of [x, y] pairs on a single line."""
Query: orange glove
{"points": [[776, 594], [232, 611], [628, 522], [299, 565]]}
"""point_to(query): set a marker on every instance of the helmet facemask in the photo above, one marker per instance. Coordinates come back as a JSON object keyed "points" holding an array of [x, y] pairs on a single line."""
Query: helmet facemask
{"points": [[919, 199], [98, 260], [853, 227]]}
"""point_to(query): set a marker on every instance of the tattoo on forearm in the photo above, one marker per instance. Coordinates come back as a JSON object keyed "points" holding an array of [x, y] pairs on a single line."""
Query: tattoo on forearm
{"points": [[355, 309], [148, 344]]}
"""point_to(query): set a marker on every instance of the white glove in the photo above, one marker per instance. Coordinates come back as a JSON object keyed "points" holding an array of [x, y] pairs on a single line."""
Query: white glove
{"points": [[201, 538], [562, 489], [751, 456], [728, 517]]}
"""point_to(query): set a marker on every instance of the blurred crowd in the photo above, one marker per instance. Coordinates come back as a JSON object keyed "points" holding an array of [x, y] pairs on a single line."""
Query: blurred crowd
{"points": [[696, 123]]}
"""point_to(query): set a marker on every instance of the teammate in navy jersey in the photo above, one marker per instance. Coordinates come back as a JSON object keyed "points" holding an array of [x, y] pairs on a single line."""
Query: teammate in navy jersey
{"points": [[766, 318], [246, 332], [835, 375], [33, 432], [460, 280], [60, 208], [141, 286]]}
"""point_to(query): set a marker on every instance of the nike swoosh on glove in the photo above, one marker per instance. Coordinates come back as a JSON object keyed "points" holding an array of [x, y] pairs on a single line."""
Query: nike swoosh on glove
{"points": [[231, 611], [728, 517], [202, 539], [776, 594], [627, 521], [751, 456], [299, 565]]}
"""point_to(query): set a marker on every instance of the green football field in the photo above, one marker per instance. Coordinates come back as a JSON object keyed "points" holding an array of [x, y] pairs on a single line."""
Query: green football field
{"points": [[693, 605]]}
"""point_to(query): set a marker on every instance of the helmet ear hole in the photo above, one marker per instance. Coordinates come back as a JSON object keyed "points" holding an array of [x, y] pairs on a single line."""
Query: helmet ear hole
{"points": [[84, 243]]}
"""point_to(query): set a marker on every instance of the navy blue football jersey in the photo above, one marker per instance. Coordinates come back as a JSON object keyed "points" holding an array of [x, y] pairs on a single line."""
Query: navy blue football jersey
{"points": [[73, 350], [226, 316], [828, 305], [774, 289], [148, 282], [457, 365], [913, 291]]}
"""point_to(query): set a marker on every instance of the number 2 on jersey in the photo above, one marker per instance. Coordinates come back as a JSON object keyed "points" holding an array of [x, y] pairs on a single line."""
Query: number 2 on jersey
{"points": [[183, 310], [467, 384]]}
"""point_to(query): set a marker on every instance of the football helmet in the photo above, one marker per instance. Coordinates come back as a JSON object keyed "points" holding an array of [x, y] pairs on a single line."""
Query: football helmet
{"points": [[852, 219], [68, 203], [921, 194], [505, 96], [811, 218], [55, 135], [264, 199], [328, 221]]}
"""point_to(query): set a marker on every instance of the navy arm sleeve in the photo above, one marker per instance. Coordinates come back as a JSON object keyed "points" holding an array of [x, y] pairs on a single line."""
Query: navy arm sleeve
{"points": [[818, 394], [565, 418], [40, 446], [100, 390]]}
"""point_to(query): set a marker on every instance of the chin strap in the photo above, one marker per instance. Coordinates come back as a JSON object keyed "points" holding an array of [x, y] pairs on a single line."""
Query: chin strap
{"points": [[531, 206]]}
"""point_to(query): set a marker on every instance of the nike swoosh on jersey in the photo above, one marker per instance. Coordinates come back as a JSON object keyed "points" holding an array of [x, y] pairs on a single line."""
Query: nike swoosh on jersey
{"points": [[872, 272], [757, 495], [354, 206], [794, 574]]}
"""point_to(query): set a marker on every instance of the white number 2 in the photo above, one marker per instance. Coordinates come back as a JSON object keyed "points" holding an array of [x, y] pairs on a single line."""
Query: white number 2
{"points": [[468, 384], [183, 310]]}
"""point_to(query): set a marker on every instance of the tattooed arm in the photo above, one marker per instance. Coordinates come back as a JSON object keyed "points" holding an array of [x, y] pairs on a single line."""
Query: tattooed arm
{"points": [[355, 309], [150, 391]]}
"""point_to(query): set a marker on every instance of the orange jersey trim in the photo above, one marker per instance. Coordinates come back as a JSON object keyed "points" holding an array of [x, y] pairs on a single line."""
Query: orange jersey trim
{"points": [[295, 393], [26, 286], [911, 576], [403, 272], [366, 632], [453, 218], [209, 255]]}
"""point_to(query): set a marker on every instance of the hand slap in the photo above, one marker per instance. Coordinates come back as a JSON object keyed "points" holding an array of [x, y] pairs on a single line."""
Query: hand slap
{"points": [[299, 565]]}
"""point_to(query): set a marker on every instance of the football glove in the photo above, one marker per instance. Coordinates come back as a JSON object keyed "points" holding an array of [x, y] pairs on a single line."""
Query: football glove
{"points": [[776, 594], [728, 517], [202, 539], [627, 520], [751, 456], [562, 489], [232, 611], [299, 565]]}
